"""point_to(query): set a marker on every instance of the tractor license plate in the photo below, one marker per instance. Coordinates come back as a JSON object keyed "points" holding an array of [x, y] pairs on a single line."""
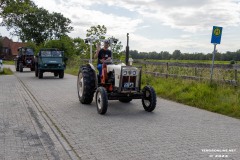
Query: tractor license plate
{"points": [[129, 85]]}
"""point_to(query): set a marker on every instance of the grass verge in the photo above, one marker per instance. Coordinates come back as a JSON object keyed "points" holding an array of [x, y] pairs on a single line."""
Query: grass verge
{"points": [[6, 71], [219, 98], [9, 62]]}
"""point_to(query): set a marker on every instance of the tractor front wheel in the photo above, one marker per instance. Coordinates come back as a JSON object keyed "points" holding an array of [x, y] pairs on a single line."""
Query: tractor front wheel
{"points": [[40, 74], [149, 99], [101, 100]]}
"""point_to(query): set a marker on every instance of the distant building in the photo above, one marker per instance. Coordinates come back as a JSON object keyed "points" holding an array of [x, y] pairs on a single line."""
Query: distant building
{"points": [[8, 48]]}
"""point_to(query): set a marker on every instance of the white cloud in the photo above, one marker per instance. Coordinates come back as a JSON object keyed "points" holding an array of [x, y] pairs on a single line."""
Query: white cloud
{"points": [[193, 18]]}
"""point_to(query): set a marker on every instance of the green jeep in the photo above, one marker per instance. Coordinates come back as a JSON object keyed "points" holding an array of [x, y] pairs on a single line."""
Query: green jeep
{"points": [[50, 60]]}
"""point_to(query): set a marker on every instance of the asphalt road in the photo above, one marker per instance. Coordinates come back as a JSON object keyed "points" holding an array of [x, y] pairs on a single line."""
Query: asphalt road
{"points": [[172, 131]]}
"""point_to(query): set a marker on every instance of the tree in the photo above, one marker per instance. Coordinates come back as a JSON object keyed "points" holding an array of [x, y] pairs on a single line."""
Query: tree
{"points": [[176, 54], [98, 31], [31, 23]]}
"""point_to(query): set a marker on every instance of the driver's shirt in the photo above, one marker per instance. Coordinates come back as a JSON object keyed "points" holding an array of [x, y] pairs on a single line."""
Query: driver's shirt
{"points": [[104, 54]]}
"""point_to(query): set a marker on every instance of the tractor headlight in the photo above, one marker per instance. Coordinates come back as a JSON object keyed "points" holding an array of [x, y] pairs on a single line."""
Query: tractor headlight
{"points": [[124, 73]]}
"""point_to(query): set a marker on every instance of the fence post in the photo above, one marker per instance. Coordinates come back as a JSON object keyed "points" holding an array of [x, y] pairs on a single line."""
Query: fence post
{"points": [[235, 76], [195, 71], [167, 70]]}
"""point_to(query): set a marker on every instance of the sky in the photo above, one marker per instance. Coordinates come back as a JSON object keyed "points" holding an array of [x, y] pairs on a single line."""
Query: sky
{"points": [[155, 25]]}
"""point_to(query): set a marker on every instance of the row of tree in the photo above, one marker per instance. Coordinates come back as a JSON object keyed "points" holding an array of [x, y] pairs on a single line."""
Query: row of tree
{"points": [[31, 23], [177, 55]]}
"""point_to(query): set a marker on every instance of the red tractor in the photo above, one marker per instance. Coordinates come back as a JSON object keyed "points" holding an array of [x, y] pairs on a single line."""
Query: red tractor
{"points": [[25, 59]]}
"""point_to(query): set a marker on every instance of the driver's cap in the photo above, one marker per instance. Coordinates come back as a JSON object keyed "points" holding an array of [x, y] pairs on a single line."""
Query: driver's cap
{"points": [[106, 41]]}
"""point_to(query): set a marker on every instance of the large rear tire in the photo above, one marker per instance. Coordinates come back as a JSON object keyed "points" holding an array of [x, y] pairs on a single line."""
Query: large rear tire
{"points": [[86, 84], [101, 100], [36, 72], [20, 67], [149, 99], [17, 66]]}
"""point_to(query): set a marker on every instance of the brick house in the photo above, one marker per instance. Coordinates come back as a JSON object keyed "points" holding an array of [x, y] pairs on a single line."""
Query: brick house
{"points": [[9, 48]]}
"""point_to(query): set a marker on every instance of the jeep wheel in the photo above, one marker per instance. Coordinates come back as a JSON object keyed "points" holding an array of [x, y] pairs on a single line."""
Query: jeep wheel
{"points": [[40, 74], [101, 100], [86, 84], [55, 74], [61, 74], [125, 100], [149, 99], [20, 67]]}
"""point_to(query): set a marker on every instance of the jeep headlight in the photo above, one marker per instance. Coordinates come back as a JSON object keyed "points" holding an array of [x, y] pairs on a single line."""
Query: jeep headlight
{"points": [[45, 65], [124, 73], [59, 65]]}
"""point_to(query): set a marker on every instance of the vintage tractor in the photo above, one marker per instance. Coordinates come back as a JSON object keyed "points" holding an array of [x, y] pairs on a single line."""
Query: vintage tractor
{"points": [[25, 59], [118, 82], [50, 60]]}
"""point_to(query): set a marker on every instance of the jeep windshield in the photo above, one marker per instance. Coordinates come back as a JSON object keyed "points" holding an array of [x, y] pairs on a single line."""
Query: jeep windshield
{"points": [[51, 54]]}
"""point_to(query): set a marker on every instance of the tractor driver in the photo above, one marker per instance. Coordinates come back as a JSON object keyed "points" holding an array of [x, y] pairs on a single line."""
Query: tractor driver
{"points": [[102, 55]]}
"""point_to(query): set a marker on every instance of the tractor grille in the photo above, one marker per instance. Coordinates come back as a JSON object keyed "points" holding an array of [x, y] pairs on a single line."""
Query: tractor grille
{"points": [[129, 83]]}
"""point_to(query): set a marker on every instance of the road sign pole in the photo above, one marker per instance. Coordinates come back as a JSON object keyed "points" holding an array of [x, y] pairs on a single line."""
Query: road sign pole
{"points": [[213, 57]]}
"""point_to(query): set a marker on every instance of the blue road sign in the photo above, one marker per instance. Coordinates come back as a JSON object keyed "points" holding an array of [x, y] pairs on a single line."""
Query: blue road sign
{"points": [[216, 35]]}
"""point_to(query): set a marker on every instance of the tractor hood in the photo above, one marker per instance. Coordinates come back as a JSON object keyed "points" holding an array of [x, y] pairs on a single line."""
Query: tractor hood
{"points": [[115, 68]]}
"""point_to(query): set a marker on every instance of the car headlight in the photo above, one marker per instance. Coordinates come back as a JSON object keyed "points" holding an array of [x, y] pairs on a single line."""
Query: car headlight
{"points": [[124, 73], [45, 65], [59, 65]]}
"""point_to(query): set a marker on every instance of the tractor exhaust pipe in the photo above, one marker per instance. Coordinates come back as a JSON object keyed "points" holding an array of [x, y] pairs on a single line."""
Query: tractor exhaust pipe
{"points": [[127, 50]]}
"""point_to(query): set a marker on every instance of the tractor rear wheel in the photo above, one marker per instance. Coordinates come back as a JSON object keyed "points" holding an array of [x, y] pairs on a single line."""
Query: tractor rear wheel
{"points": [[17, 66], [149, 99], [20, 67], [36, 72], [125, 100], [101, 100], [86, 84]]}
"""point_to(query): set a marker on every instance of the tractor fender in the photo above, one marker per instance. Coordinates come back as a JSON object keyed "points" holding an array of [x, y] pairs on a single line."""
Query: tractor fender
{"points": [[96, 78]]}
